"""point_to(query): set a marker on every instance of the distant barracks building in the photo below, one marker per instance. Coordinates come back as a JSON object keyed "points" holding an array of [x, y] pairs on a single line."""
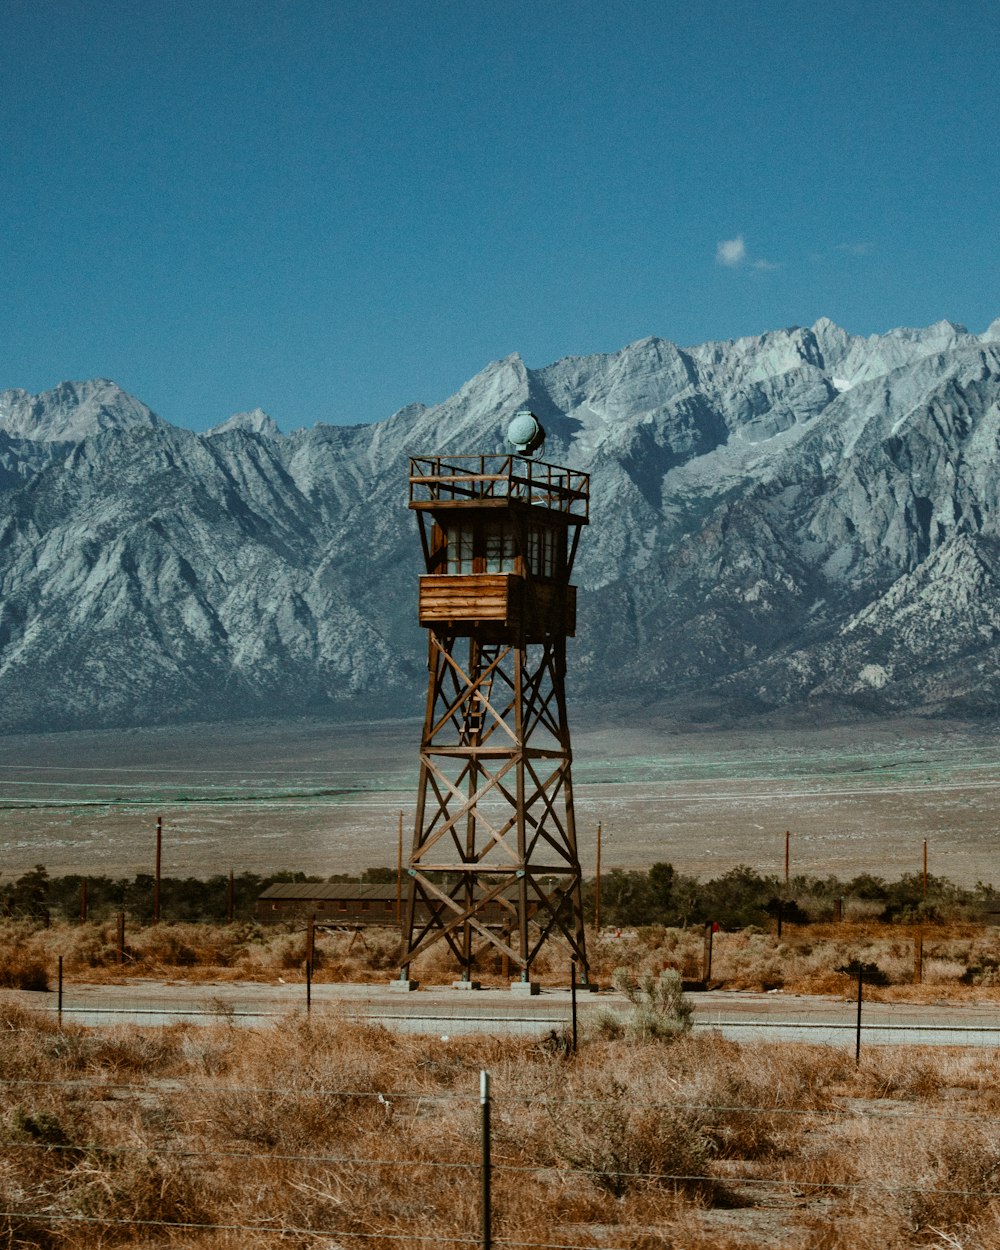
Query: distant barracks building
{"points": [[345, 903]]}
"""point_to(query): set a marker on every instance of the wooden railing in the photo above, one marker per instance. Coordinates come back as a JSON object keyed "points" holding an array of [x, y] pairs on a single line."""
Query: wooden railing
{"points": [[466, 479]]}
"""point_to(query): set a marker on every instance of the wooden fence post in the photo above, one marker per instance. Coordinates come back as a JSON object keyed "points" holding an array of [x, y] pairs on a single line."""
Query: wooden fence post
{"points": [[706, 961], [159, 864]]}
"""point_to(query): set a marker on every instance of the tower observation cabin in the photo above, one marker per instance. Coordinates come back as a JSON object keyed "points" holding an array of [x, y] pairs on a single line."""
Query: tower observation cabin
{"points": [[495, 826]]}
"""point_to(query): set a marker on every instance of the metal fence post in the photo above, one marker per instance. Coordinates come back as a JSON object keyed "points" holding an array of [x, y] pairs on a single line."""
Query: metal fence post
{"points": [[487, 1213], [572, 998], [60, 999], [857, 1044]]}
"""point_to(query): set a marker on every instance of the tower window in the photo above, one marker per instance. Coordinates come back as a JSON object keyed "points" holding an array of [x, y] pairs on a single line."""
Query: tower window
{"points": [[460, 549], [542, 551], [499, 553]]}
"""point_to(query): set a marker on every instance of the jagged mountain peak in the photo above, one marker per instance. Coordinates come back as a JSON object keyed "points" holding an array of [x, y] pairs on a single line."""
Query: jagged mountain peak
{"points": [[992, 332], [72, 411], [938, 332], [256, 421], [473, 418]]}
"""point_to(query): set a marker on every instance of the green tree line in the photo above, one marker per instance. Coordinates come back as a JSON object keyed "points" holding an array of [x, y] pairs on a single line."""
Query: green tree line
{"points": [[736, 899], [36, 895], [743, 897]]}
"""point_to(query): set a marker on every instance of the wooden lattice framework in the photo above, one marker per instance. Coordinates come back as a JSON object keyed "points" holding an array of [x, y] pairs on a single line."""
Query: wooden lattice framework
{"points": [[495, 822]]}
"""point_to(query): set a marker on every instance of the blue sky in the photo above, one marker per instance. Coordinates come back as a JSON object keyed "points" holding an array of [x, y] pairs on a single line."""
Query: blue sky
{"points": [[333, 209]]}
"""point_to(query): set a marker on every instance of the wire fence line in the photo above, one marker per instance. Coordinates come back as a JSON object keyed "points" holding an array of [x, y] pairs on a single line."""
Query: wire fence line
{"points": [[474, 1166], [172, 1085], [680, 1179], [741, 1017], [285, 1230]]}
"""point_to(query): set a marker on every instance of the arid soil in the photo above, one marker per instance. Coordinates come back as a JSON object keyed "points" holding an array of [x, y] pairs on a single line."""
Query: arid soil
{"points": [[321, 1132], [325, 798]]}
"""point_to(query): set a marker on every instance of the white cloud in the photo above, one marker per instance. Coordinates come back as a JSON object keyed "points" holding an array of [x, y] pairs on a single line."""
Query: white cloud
{"points": [[731, 252]]}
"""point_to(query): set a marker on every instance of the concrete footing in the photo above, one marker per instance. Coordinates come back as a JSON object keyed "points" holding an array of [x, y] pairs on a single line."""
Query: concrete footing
{"points": [[465, 985], [403, 986], [524, 987]]}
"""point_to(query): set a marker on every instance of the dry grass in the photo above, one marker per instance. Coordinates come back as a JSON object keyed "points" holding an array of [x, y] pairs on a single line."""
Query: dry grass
{"points": [[961, 961], [108, 1139]]}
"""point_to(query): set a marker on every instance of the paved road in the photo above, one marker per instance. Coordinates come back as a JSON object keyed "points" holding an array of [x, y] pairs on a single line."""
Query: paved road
{"points": [[449, 1012]]}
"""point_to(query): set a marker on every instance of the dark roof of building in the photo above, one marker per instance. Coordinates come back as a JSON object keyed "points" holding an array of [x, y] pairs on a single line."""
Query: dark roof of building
{"points": [[333, 891]]}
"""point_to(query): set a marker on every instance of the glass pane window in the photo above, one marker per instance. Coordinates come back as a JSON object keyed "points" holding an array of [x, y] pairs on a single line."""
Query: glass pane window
{"points": [[542, 551], [459, 549], [548, 553], [499, 551]]}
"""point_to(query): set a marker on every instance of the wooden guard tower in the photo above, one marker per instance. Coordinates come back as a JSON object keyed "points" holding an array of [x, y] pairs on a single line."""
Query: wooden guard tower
{"points": [[494, 819]]}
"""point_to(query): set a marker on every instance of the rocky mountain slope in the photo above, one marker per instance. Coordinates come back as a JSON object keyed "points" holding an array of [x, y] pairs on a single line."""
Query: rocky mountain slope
{"points": [[803, 520]]}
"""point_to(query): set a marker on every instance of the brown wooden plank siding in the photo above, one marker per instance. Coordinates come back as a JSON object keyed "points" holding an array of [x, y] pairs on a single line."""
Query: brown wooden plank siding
{"points": [[465, 596], [504, 598], [380, 912]]}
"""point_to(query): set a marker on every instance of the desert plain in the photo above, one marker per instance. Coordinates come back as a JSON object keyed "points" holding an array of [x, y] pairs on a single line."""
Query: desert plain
{"points": [[323, 798]]}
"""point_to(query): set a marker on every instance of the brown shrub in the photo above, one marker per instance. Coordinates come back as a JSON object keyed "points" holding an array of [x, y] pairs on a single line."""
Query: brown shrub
{"points": [[22, 971]]}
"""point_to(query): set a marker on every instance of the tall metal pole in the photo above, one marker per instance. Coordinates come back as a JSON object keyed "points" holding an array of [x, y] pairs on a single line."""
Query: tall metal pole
{"points": [[925, 867], [159, 858]]}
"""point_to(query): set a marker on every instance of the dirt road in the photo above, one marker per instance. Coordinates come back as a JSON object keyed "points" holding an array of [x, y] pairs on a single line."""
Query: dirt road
{"points": [[447, 1012]]}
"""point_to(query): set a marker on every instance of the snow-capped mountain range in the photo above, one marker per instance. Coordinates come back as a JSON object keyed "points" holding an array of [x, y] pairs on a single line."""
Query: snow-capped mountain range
{"points": [[803, 520]]}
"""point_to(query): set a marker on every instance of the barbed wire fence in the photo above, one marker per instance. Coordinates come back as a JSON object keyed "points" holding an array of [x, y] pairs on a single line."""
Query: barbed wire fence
{"points": [[483, 1165], [556, 1015]]}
